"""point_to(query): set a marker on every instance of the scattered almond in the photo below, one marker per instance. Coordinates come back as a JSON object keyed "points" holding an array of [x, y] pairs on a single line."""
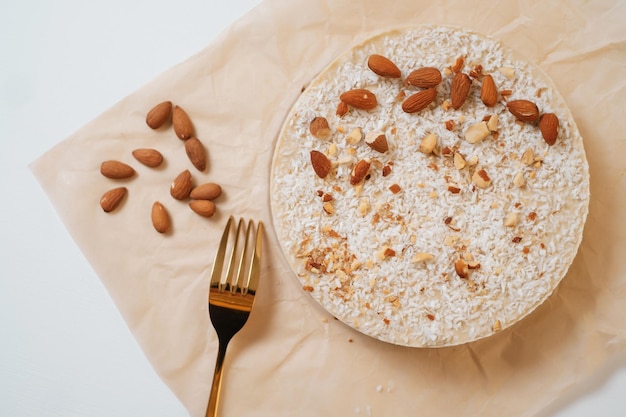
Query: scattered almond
{"points": [[459, 89], [181, 186], [321, 164], [112, 199], [149, 157], [477, 132], [196, 153], [489, 92], [377, 141], [419, 101], [328, 207], [159, 114], [359, 98], [116, 170], [359, 172], [549, 126], [181, 123], [205, 208], [160, 218], [519, 180], [383, 66], [481, 178], [524, 110], [428, 144], [454, 189], [395, 188], [319, 127], [207, 191], [426, 77]]}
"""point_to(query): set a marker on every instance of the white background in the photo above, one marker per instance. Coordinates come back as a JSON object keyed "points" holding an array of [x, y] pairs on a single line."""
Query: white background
{"points": [[64, 348]]}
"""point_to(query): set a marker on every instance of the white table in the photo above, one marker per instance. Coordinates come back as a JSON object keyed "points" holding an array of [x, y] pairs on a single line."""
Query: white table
{"points": [[65, 350]]}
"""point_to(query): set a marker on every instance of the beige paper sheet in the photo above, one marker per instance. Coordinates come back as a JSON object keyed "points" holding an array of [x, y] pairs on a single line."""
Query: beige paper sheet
{"points": [[293, 358]]}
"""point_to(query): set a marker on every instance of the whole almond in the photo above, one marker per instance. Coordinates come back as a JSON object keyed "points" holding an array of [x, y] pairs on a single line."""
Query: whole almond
{"points": [[359, 98], [160, 218], [116, 170], [459, 89], [207, 191], [426, 77], [181, 186], [488, 91], [321, 163], [159, 114], [359, 172], [377, 141], [383, 66], [205, 208], [149, 157], [524, 110], [112, 199], [419, 101], [549, 126], [196, 153], [181, 123], [319, 127]]}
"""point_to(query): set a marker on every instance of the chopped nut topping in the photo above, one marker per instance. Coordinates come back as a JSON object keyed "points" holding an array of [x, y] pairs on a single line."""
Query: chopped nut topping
{"points": [[528, 157], [395, 188], [446, 105], [428, 144], [327, 197], [481, 179], [477, 132], [508, 72], [492, 123], [472, 161], [449, 124], [454, 189], [421, 257], [328, 208], [386, 170], [516, 239], [511, 220], [532, 216], [319, 128], [458, 64], [342, 109], [308, 288], [497, 326], [461, 269], [354, 136], [430, 317], [519, 180], [459, 161]]}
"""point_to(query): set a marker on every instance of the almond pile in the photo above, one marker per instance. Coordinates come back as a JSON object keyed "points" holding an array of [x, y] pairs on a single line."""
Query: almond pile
{"points": [[201, 197]]}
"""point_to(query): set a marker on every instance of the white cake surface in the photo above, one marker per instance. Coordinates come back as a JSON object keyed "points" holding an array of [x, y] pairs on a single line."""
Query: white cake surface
{"points": [[380, 255]]}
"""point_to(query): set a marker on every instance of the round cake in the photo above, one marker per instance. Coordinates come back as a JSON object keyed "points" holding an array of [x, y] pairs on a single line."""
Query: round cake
{"points": [[429, 188]]}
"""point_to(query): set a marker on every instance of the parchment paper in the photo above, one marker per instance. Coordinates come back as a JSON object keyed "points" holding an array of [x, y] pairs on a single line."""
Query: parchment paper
{"points": [[293, 358]]}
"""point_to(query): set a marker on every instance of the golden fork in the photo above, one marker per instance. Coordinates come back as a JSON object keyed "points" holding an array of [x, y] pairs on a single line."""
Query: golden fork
{"points": [[231, 295]]}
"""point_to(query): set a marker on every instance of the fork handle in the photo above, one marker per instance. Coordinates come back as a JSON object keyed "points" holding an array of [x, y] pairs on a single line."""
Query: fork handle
{"points": [[217, 381]]}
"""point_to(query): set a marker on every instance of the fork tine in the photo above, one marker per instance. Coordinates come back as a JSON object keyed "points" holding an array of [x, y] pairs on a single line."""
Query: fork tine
{"points": [[233, 279], [252, 281], [218, 263]]}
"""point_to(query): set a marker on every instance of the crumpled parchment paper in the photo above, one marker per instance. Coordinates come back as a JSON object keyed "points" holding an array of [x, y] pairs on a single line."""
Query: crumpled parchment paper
{"points": [[293, 358]]}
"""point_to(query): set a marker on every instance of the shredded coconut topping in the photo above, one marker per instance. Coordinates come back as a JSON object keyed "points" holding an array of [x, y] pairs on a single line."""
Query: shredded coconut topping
{"points": [[383, 255]]}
